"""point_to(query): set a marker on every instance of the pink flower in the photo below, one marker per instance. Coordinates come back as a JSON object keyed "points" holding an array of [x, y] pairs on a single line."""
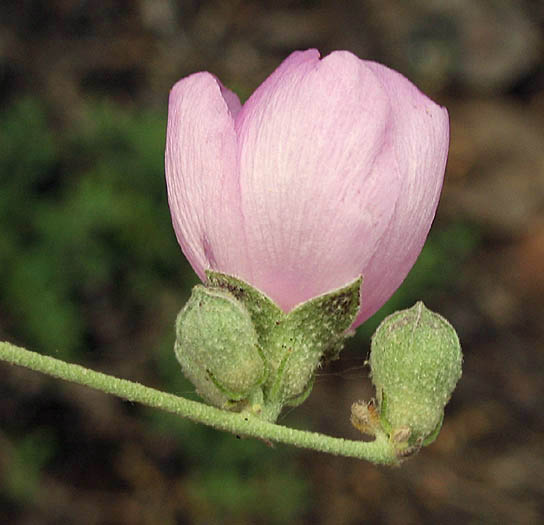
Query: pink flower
{"points": [[332, 169]]}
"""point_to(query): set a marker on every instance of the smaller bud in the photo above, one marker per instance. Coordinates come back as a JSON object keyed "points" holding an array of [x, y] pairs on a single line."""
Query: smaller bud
{"points": [[415, 360], [217, 347]]}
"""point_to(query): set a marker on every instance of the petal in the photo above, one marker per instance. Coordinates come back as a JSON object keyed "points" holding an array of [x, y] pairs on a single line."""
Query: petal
{"points": [[231, 99], [318, 185], [419, 136], [201, 173]]}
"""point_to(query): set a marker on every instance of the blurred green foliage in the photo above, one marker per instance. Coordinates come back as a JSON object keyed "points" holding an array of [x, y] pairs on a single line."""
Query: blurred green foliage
{"points": [[27, 458], [83, 219], [88, 256], [232, 479]]}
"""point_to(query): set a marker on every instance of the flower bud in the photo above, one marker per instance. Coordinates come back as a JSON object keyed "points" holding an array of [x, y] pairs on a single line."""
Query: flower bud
{"points": [[415, 360], [330, 170], [217, 347]]}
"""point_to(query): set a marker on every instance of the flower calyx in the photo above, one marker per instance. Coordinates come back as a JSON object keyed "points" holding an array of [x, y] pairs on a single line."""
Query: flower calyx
{"points": [[242, 352]]}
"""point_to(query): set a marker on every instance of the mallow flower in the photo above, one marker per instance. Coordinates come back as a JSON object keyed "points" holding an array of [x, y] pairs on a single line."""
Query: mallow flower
{"points": [[302, 211], [331, 170]]}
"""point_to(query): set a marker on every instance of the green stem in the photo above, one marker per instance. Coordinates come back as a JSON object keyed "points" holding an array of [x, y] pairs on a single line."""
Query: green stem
{"points": [[378, 451]]}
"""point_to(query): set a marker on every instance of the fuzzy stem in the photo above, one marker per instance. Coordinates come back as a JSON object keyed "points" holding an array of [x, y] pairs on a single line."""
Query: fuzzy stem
{"points": [[378, 451]]}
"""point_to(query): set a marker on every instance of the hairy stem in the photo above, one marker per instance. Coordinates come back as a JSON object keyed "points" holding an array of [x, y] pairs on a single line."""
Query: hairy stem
{"points": [[378, 451]]}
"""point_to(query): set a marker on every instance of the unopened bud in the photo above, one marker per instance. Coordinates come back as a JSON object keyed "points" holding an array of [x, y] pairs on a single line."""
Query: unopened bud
{"points": [[416, 361], [217, 347]]}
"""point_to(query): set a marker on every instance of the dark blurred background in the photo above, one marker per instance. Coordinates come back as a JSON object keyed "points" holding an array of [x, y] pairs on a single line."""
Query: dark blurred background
{"points": [[90, 270]]}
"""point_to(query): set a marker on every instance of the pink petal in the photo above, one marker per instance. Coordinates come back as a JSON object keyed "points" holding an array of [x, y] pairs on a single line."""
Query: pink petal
{"points": [[318, 183], [201, 173], [419, 131]]}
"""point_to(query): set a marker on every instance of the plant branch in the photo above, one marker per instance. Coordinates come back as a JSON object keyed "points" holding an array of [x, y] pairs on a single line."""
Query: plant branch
{"points": [[378, 451]]}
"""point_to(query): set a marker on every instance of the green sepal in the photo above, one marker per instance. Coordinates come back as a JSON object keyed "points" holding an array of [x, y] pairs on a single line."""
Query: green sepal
{"points": [[298, 400], [323, 322], [385, 424], [310, 333], [264, 312]]}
